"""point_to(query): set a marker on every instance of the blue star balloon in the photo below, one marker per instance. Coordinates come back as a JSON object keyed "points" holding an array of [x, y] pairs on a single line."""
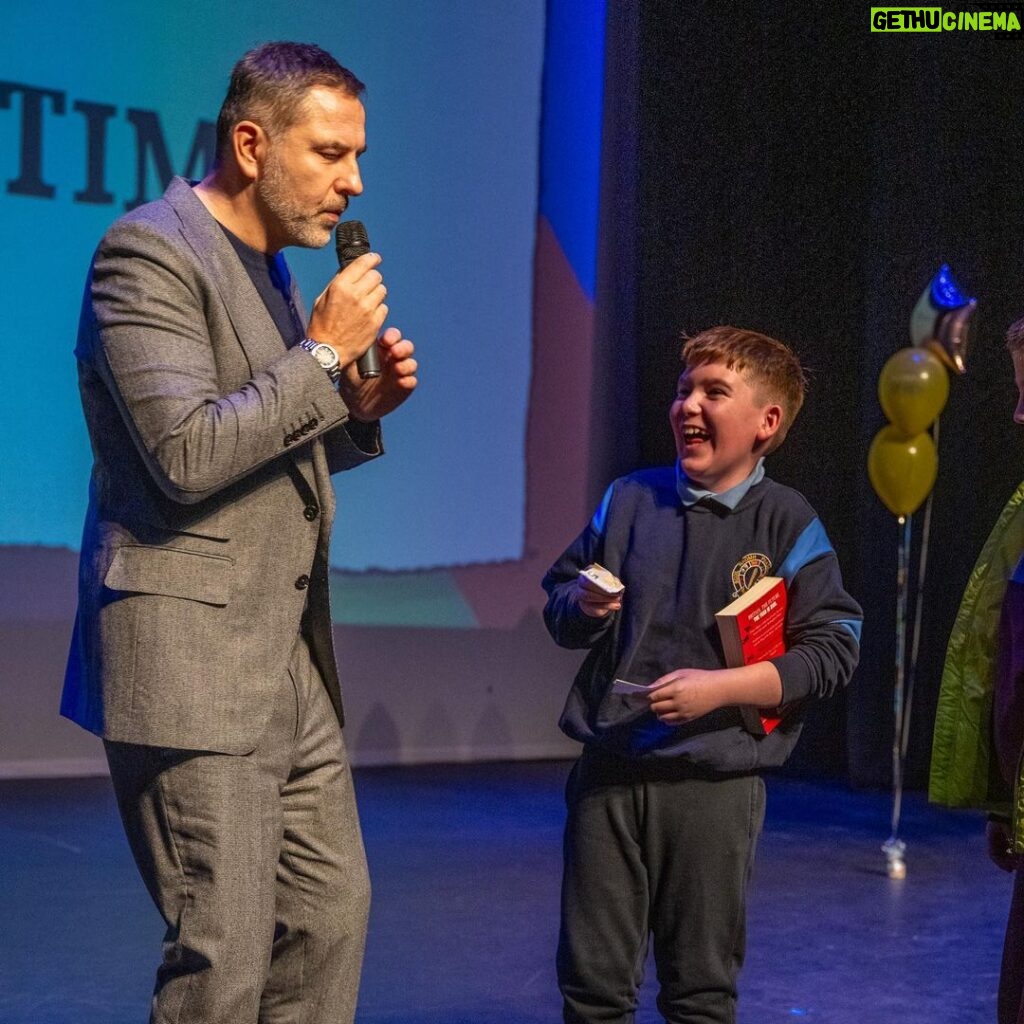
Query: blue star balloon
{"points": [[941, 319]]}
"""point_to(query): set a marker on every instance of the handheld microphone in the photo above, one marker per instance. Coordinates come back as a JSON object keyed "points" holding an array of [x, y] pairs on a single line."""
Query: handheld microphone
{"points": [[350, 241]]}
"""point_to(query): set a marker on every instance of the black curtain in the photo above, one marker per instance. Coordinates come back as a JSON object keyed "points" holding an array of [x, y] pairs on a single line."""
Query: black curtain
{"points": [[785, 169]]}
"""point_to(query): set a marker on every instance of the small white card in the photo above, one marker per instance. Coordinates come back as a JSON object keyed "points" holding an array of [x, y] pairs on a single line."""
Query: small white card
{"points": [[624, 688]]}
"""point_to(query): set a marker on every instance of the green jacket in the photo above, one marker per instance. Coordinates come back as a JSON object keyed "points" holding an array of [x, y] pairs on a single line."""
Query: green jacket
{"points": [[964, 768]]}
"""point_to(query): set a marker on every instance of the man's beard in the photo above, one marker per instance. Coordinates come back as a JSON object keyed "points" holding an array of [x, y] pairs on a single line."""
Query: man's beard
{"points": [[301, 226]]}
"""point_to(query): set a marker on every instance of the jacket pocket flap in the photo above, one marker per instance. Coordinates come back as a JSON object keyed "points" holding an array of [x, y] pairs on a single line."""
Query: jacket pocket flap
{"points": [[171, 572]]}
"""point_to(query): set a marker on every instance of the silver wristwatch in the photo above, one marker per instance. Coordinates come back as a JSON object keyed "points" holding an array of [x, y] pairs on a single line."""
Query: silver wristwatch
{"points": [[325, 356]]}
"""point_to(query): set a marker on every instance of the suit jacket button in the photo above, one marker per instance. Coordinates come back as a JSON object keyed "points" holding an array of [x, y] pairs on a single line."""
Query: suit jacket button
{"points": [[311, 512], [302, 582]]}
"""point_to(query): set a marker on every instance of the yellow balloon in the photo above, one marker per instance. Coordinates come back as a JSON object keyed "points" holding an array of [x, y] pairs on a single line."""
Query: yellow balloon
{"points": [[902, 470], [913, 387]]}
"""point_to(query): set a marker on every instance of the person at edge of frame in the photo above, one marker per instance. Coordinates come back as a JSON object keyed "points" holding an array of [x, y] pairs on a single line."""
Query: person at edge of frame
{"points": [[978, 745]]}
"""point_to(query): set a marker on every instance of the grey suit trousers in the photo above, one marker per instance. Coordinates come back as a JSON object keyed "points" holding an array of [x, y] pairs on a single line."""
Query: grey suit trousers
{"points": [[256, 864]]}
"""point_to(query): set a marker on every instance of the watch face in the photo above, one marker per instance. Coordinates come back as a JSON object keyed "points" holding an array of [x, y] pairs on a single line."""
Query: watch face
{"points": [[326, 356]]}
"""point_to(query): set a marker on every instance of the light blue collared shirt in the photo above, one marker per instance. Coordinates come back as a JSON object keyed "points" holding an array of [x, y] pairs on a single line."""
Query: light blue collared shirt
{"points": [[690, 493]]}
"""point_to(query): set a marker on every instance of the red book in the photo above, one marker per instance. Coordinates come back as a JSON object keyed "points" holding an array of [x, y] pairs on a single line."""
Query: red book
{"points": [[753, 629]]}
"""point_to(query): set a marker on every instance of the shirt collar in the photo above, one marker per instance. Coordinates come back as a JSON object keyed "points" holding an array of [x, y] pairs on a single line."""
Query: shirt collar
{"points": [[690, 493]]}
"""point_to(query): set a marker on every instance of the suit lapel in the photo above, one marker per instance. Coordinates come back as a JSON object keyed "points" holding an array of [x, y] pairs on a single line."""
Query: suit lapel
{"points": [[254, 328]]}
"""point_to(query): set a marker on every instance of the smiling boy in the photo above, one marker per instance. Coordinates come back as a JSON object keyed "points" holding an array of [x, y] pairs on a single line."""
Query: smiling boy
{"points": [[666, 802]]}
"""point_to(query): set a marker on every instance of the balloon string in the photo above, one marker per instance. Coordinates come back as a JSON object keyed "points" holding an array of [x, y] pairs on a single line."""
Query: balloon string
{"points": [[903, 560], [922, 567]]}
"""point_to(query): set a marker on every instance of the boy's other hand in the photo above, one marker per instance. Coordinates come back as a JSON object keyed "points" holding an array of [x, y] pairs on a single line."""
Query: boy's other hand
{"points": [[593, 601], [685, 694]]}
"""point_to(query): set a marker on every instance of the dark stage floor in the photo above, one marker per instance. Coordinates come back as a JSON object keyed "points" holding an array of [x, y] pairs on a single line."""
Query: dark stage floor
{"points": [[465, 862]]}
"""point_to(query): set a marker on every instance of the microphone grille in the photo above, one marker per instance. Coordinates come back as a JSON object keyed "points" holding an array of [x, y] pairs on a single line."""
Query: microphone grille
{"points": [[350, 240]]}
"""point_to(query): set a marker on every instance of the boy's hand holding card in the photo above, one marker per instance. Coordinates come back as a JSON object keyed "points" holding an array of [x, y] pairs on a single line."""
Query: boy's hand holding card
{"points": [[624, 688]]}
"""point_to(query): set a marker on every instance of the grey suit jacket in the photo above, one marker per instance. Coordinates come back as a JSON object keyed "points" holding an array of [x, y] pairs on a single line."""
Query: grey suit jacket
{"points": [[205, 545]]}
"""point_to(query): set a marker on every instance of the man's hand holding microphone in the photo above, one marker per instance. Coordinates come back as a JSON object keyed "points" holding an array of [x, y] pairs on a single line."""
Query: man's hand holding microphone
{"points": [[348, 316]]}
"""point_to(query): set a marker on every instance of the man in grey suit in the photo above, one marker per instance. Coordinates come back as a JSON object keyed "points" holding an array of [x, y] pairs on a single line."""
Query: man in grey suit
{"points": [[202, 651]]}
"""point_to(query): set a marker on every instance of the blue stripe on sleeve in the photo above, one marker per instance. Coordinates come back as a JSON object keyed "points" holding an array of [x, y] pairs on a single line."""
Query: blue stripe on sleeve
{"points": [[853, 625], [601, 515], [812, 543]]}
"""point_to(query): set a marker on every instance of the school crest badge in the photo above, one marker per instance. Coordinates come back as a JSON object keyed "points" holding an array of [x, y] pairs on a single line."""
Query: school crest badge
{"points": [[748, 570]]}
